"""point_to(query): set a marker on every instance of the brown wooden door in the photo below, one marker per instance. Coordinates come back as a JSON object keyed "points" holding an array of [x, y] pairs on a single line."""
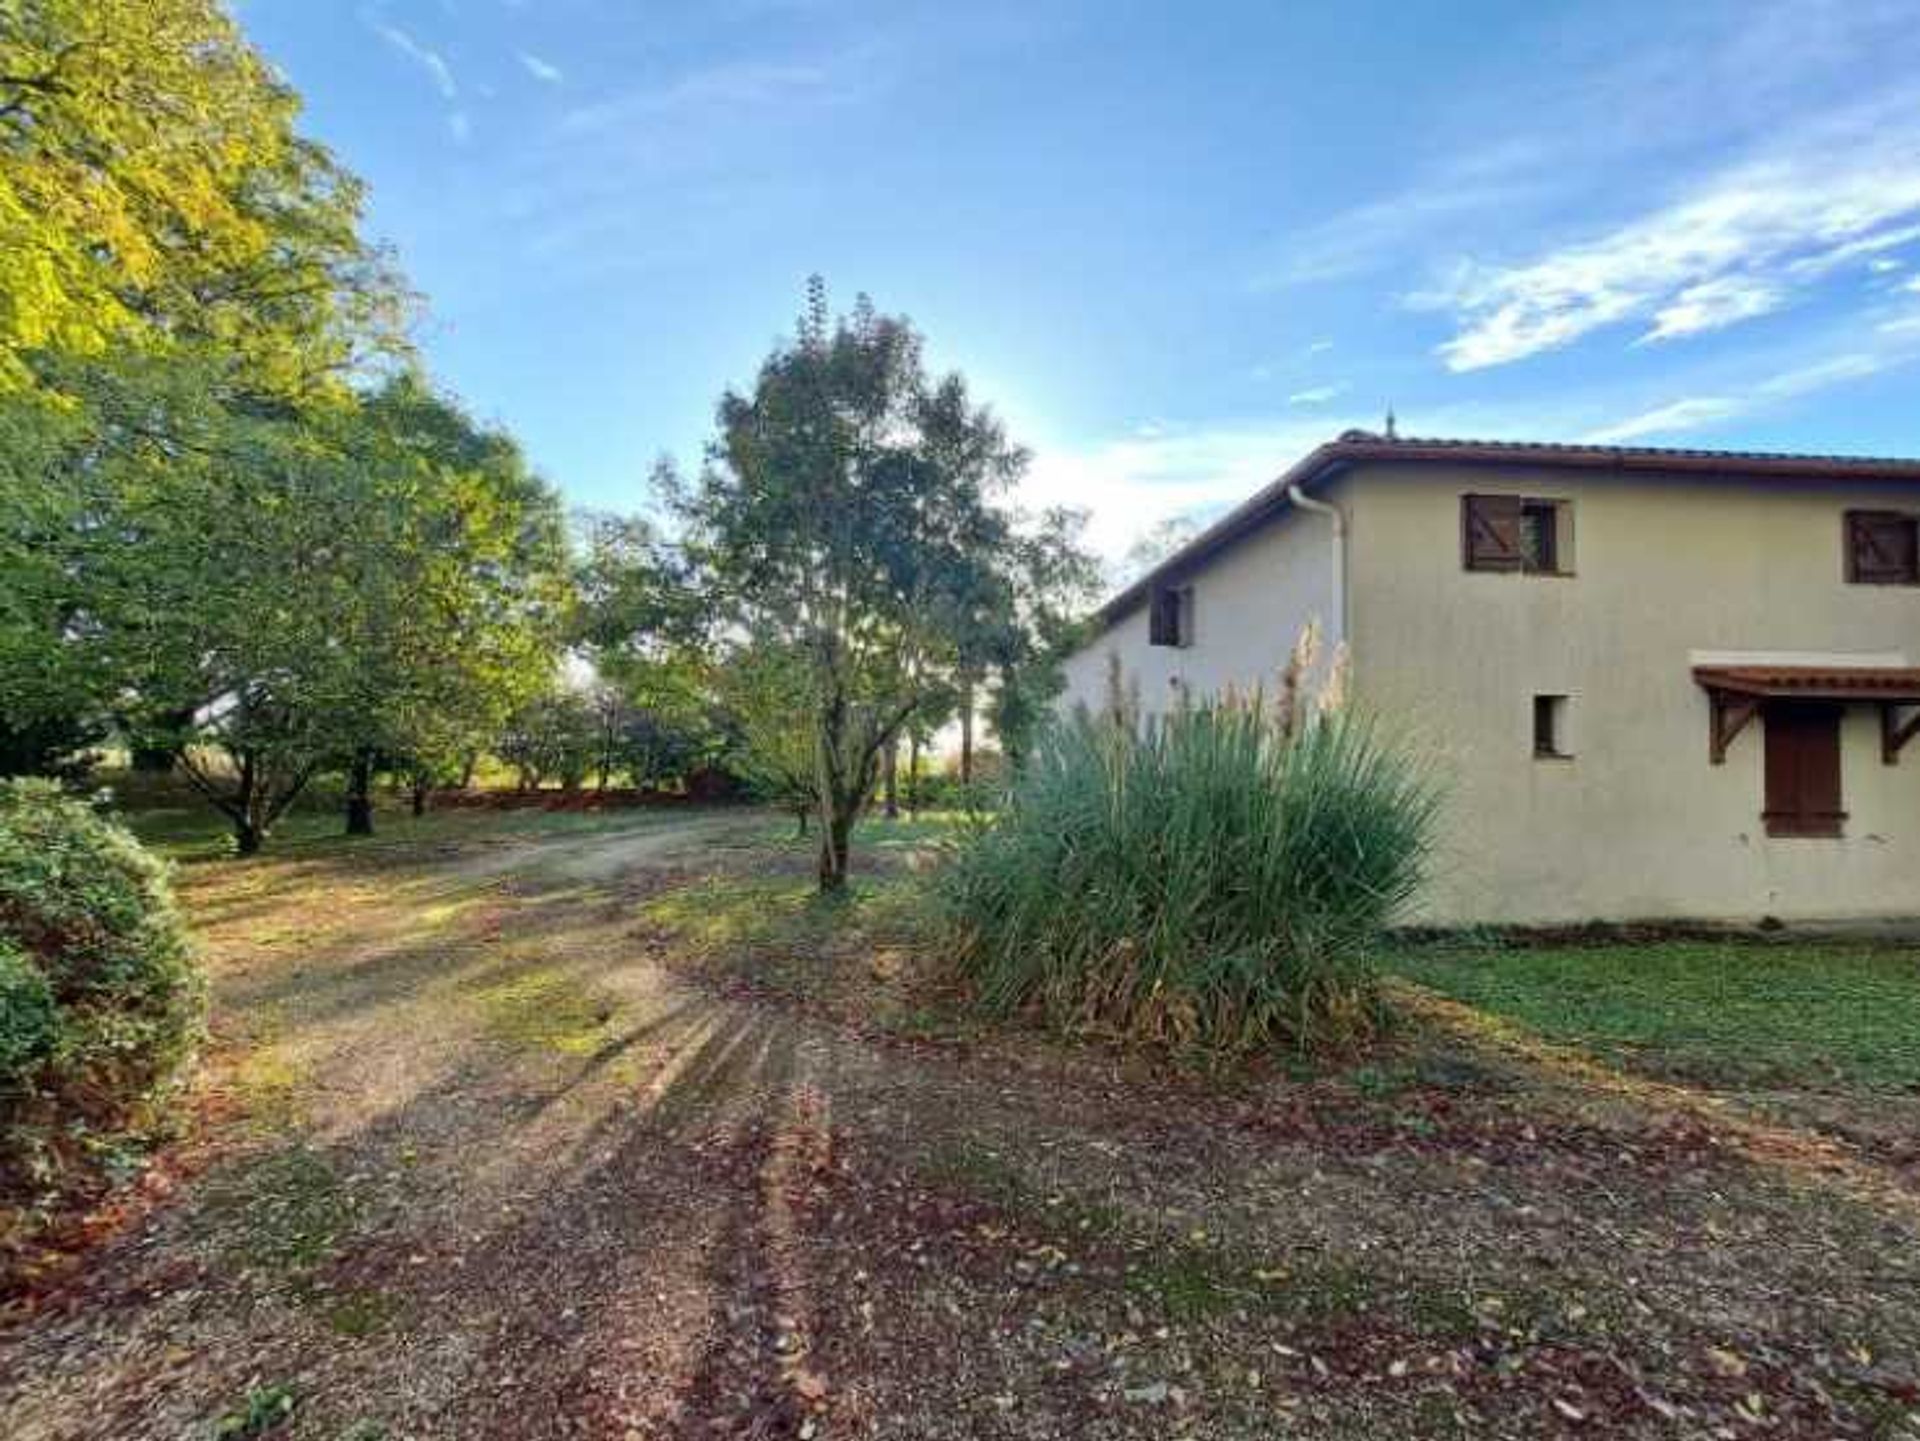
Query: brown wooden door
{"points": [[1803, 769]]}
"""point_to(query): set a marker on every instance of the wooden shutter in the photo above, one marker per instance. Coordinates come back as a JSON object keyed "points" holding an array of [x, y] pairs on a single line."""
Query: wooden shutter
{"points": [[1883, 548], [1803, 769], [1490, 531]]}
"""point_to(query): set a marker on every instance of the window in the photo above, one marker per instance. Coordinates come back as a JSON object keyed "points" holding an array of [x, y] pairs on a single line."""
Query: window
{"points": [[1171, 619], [1550, 727], [1515, 533], [1803, 769], [1539, 536], [1883, 548]]}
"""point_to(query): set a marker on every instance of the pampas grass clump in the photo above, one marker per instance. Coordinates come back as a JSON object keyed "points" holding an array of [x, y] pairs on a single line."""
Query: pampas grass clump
{"points": [[1214, 879]]}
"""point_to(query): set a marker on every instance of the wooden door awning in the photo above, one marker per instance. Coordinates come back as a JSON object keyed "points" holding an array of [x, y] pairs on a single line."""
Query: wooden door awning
{"points": [[1738, 691]]}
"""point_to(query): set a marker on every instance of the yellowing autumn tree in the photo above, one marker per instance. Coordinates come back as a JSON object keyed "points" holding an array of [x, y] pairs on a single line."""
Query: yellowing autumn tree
{"points": [[153, 193]]}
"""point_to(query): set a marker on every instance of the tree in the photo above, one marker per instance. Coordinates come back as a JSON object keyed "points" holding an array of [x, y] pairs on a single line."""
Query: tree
{"points": [[183, 287], [461, 579], [154, 196], [554, 735], [759, 686], [1055, 581], [1156, 544], [847, 515]]}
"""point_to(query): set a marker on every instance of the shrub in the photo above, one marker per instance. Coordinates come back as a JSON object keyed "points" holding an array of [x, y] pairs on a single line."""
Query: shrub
{"points": [[100, 1002], [1212, 880]]}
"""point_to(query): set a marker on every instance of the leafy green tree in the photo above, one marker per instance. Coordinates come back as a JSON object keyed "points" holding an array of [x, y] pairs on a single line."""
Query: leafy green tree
{"points": [[1054, 583], [848, 515], [553, 736], [183, 286], [759, 686], [154, 195], [273, 591], [461, 576]]}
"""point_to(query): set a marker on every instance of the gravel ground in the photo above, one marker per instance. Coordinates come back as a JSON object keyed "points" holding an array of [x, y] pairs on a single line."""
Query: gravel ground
{"points": [[487, 1150]]}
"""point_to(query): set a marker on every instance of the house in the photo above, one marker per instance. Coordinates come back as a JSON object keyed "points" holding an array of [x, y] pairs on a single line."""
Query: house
{"points": [[1657, 684]]}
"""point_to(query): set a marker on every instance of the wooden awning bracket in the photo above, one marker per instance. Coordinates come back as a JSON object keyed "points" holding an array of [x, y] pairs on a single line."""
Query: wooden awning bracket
{"points": [[1730, 714], [1896, 730]]}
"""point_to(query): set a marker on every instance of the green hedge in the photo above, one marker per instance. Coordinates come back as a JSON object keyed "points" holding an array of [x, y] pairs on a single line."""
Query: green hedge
{"points": [[101, 1004]]}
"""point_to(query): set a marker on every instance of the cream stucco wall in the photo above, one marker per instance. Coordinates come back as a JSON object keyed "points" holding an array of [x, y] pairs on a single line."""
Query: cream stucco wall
{"points": [[1637, 823], [1667, 571], [1250, 605]]}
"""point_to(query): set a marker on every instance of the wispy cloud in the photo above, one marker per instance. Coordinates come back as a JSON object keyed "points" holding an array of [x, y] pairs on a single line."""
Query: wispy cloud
{"points": [[1737, 403], [545, 71], [1133, 483], [1373, 235], [1318, 395], [746, 85], [431, 61], [1738, 245], [459, 126], [1680, 415], [1713, 305]]}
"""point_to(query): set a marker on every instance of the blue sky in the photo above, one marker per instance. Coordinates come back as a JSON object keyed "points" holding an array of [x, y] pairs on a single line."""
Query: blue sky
{"points": [[1174, 245]]}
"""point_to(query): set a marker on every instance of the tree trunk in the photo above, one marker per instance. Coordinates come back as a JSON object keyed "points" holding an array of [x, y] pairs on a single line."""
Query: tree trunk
{"points": [[802, 813], [966, 735], [360, 794], [421, 785], [836, 843], [248, 810], [913, 774], [893, 779], [466, 770]]}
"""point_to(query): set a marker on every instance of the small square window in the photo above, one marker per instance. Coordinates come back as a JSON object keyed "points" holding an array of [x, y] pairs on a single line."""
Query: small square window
{"points": [[1516, 533], [1883, 548], [1170, 621], [1550, 727]]}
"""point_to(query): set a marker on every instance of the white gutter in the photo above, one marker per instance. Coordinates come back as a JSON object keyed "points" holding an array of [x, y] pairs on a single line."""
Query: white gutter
{"points": [[1337, 621]]}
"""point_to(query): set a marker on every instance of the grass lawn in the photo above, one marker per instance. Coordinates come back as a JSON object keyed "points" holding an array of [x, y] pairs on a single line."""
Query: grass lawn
{"points": [[174, 820], [1735, 1014]]}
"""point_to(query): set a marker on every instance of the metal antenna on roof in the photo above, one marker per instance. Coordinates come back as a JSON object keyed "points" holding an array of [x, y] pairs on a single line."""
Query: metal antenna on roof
{"points": [[1392, 432]]}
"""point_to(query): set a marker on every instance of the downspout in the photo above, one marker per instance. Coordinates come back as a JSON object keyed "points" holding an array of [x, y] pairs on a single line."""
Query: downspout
{"points": [[1338, 618]]}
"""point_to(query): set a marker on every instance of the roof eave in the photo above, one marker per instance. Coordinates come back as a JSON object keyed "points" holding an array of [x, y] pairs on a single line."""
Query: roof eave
{"points": [[1335, 455]]}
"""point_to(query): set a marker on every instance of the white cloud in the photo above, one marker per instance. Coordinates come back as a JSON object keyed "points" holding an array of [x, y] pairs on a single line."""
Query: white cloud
{"points": [[1369, 236], [1130, 485], [431, 61], [1705, 411], [1885, 264], [1318, 395], [1913, 285], [1713, 305], [1320, 347], [545, 71], [1736, 246], [1667, 419]]}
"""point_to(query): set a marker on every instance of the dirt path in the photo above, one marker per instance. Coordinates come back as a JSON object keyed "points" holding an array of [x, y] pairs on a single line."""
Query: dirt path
{"points": [[495, 1164]]}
